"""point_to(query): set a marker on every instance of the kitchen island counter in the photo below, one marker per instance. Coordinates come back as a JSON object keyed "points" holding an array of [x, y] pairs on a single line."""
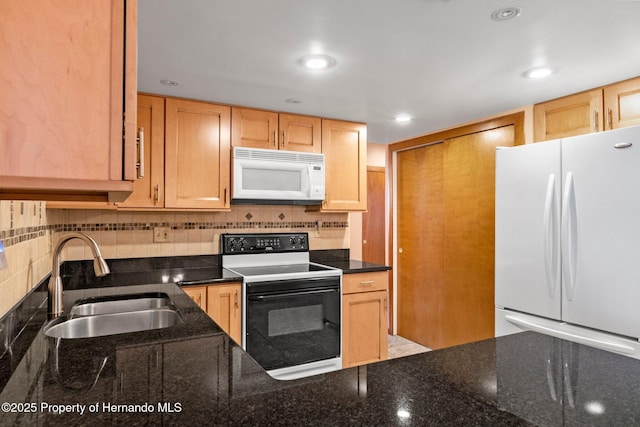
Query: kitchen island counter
{"points": [[194, 374]]}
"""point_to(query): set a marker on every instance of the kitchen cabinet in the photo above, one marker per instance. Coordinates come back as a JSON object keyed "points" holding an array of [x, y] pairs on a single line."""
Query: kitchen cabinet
{"points": [[622, 104], [272, 130], [148, 188], [68, 83], [344, 145], [198, 294], [197, 155], [223, 303], [609, 107], [185, 157], [223, 306], [365, 306]]}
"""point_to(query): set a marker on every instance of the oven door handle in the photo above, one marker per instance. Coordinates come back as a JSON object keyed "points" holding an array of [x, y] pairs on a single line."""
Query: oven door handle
{"points": [[290, 294]]}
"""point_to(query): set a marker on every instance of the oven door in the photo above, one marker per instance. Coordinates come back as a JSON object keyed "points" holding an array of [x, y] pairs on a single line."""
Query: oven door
{"points": [[293, 322]]}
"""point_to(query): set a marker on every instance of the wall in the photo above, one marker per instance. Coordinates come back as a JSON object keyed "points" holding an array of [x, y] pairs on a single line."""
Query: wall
{"points": [[28, 230], [26, 235]]}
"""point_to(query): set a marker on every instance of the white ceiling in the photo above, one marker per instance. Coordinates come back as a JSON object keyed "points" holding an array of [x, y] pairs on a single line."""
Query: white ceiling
{"points": [[444, 62]]}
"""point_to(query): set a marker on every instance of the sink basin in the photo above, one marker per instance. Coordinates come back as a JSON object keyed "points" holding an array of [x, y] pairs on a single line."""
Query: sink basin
{"points": [[119, 304], [115, 323]]}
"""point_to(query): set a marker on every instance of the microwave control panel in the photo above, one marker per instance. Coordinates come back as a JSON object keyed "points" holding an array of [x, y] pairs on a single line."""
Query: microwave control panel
{"points": [[263, 243]]}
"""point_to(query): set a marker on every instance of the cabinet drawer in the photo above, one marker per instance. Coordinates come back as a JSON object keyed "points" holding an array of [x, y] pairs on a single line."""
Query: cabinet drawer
{"points": [[365, 282]]}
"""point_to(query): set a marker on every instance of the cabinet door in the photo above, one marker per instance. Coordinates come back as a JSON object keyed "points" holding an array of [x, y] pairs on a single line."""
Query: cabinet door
{"points": [[572, 115], [197, 155], [254, 128], [198, 294], [223, 306], [345, 147], [300, 133], [62, 79], [148, 189], [364, 330], [622, 104]]}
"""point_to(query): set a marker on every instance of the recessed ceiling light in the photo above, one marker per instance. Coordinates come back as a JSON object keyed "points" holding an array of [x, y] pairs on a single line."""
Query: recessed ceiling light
{"points": [[317, 62], [403, 118], [169, 82], [538, 73], [506, 13]]}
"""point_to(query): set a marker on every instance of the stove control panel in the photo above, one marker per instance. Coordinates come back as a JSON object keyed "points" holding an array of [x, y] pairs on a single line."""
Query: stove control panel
{"points": [[260, 243]]}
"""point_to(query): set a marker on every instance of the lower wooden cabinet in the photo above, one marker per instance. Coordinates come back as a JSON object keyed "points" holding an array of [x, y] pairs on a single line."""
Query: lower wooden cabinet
{"points": [[223, 306], [365, 307], [222, 303]]}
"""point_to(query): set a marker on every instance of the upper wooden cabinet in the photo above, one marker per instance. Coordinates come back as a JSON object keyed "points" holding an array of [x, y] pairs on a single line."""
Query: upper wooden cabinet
{"points": [[148, 189], [271, 130], [572, 115], [614, 106], [622, 104], [197, 155], [67, 78], [344, 145]]}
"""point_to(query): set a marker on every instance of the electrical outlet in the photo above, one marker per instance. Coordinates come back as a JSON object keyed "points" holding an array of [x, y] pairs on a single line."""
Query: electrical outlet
{"points": [[161, 234]]}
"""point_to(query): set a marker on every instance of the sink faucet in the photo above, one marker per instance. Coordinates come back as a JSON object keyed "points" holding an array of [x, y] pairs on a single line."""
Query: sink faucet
{"points": [[100, 267]]}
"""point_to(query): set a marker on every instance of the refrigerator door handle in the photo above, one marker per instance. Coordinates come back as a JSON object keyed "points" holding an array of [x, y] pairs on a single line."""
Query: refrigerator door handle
{"points": [[569, 236], [551, 253]]}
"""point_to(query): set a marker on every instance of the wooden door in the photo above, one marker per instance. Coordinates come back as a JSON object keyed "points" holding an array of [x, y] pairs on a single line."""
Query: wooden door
{"points": [[148, 190], [197, 155], [364, 331], [373, 220], [254, 128], [223, 306], [345, 147], [420, 257], [62, 80], [446, 198], [300, 133], [622, 104], [469, 218], [572, 115]]}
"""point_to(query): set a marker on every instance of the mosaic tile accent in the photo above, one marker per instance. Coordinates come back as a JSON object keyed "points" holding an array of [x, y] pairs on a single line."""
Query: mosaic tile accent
{"points": [[19, 235]]}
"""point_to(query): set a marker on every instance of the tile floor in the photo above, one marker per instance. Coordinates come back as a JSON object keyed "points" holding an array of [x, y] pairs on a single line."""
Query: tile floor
{"points": [[400, 347]]}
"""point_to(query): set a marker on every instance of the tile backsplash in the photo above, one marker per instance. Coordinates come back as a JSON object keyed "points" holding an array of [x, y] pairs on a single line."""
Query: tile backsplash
{"points": [[28, 231]]}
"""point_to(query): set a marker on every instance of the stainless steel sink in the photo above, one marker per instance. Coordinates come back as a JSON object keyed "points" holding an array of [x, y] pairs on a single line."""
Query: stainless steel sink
{"points": [[115, 323], [119, 304]]}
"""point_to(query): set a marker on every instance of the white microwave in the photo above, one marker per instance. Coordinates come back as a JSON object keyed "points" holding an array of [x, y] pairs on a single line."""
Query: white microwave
{"points": [[277, 177]]}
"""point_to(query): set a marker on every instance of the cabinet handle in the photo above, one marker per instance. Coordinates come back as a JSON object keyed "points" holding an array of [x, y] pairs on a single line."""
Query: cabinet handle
{"points": [[595, 121], [284, 138], [610, 118], [236, 298], [275, 139], [368, 282], [225, 196], [156, 194], [140, 163]]}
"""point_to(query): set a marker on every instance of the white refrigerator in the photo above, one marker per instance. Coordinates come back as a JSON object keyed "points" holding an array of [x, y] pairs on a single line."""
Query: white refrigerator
{"points": [[568, 239]]}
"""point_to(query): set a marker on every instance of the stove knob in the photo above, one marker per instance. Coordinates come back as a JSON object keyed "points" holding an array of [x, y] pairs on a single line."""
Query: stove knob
{"points": [[292, 240], [301, 240], [242, 243], [231, 244]]}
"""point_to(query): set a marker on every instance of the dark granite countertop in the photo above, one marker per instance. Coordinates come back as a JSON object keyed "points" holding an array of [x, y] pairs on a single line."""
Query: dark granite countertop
{"points": [[194, 374]]}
